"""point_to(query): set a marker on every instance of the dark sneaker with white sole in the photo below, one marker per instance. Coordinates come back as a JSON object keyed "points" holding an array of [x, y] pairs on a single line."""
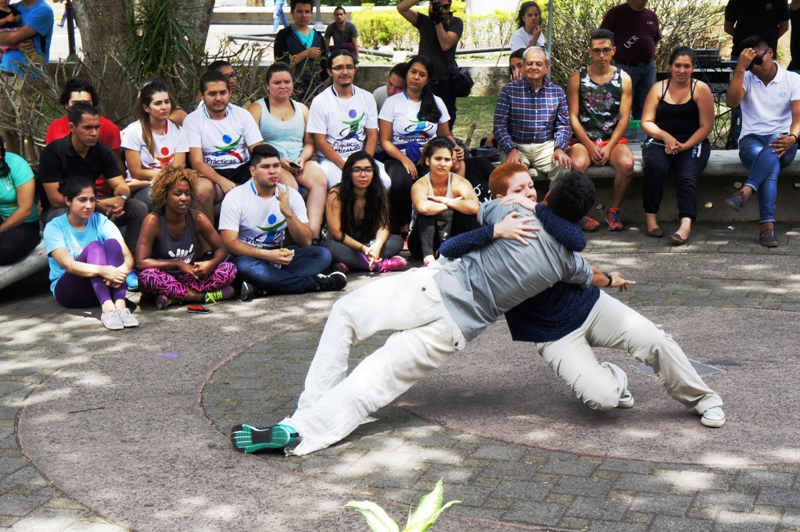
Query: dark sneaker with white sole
{"points": [[331, 282]]}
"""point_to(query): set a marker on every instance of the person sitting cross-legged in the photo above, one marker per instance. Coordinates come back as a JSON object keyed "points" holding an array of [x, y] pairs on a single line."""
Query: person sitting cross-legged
{"points": [[168, 256], [254, 220], [358, 220]]}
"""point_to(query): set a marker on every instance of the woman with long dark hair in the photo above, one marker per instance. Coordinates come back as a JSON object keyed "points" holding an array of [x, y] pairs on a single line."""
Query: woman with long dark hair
{"points": [[529, 24], [678, 116], [153, 141], [282, 122], [407, 122], [358, 220], [88, 257], [19, 217], [445, 203]]}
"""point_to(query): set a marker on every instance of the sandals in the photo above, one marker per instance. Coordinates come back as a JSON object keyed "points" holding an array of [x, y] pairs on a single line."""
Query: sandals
{"points": [[250, 439]]}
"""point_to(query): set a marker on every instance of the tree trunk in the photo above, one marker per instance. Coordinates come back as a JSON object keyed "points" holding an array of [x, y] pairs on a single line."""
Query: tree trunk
{"points": [[103, 39]]}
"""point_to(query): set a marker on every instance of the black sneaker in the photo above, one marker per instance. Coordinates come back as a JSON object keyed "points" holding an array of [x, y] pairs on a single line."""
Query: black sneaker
{"points": [[333, 281], [249, 292]]}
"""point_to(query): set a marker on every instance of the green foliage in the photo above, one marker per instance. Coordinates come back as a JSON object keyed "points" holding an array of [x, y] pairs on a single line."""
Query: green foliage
{"points": [[429, 509], [158, 43], [381, 27], [694, 24]]}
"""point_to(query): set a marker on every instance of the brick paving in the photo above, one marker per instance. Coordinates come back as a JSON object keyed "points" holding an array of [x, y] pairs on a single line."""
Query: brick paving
{"points": [[399, 456]]}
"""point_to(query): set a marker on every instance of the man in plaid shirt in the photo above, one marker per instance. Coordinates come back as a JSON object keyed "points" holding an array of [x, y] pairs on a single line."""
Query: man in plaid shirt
{"points": [[531, 120]]}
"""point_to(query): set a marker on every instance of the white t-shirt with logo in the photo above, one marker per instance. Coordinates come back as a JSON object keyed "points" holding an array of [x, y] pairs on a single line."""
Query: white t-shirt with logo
{"points": [[343, 121], [259, 221], [166, 146], [767, 110], [402, 113], [224, 142]]}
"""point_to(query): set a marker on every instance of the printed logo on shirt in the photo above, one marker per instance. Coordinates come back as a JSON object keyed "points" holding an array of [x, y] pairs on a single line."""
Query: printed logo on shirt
{"points": [[164, 158], [420, 127], [353, 127], [228, 147], [782, 94], [273, 234], [184, 255]]}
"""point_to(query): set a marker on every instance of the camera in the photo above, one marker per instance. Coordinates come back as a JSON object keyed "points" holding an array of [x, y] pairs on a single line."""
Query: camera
{"points": [[436, 12]]}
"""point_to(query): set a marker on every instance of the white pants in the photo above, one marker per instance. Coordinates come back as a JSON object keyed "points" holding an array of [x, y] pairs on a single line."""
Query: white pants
{"points": [[332, 406], [334, 173], [614, 325]]}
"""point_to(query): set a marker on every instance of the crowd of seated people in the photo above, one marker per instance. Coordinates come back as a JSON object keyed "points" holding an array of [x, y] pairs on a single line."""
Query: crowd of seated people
{"points": [[344, 184]]}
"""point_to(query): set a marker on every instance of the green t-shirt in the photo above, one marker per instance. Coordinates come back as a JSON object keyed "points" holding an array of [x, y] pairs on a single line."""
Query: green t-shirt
{"points": [[20, 174]]}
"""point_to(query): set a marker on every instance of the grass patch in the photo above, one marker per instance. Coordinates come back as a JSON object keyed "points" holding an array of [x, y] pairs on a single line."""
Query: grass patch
{"points": [[478, 110]]}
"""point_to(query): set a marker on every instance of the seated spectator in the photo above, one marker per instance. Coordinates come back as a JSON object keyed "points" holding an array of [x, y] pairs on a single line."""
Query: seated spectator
{"points": [[476, 170], [253, 223], [770, 101], [531, 120], [408, 121], [10, 20], [678, 117], [227, 70], [444, 203], [529, 24], [19, 217], [282, 122], [168, 256], [516, 70], [221, 136], [79, 90], [395, 84], [82, 154], [600, 99], [153, 141], [304, 48], [343, 119], [343, 33], [358, 221], [88, 259]]}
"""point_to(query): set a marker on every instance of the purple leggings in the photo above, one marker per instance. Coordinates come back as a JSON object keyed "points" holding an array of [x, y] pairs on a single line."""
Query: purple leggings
{"points": [[83, 292], [177, 285]]}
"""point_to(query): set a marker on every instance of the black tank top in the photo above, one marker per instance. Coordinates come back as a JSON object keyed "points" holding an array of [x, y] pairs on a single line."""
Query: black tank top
{"points": [[183, 247], [679, 120]]}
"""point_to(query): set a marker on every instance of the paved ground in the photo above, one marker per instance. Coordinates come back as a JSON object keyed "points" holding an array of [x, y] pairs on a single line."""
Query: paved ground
{"points": [[128, 430]]}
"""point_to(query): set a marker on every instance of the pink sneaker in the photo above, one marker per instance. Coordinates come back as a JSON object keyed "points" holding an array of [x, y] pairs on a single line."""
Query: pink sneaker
{"points": [[393, 264]]}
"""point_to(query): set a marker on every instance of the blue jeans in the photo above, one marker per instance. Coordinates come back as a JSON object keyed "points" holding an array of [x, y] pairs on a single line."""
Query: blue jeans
{"points": [[278, 16], [298, 277], [756, 154], [642, 78]]}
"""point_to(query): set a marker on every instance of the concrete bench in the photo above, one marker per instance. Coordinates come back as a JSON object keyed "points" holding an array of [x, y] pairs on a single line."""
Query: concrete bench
{"points": [[34, 262], [717, 183]]}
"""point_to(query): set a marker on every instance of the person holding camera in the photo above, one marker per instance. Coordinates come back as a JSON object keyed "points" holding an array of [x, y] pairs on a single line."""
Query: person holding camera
{"points": [[439, 33], [770, 101]]}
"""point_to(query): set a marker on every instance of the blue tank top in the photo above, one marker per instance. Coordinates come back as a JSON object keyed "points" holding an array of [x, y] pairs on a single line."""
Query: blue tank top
{"points": [[285, 136]]}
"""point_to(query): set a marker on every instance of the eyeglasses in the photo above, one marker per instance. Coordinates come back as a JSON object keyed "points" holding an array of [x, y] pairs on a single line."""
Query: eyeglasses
{"points": [[445, 7], [368, 170], [339, 68], [601, 51]]}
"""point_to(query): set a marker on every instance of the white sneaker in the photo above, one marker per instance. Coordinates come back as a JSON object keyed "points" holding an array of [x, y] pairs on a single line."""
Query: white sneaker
{"points": [[713, 417], [111, 321], [626, 399], [127, 319]]}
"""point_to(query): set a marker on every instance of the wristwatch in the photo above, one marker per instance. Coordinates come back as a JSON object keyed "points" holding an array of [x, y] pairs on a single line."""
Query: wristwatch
{"points": [[123, 196], [610, 280]]}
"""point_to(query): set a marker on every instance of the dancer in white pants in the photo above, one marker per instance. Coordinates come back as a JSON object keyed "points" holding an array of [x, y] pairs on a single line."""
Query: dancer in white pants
{"points": [[434, 313]]}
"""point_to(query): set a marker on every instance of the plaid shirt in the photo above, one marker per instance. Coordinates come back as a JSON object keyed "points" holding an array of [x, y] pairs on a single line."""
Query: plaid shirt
{"points": [[527, 116]]}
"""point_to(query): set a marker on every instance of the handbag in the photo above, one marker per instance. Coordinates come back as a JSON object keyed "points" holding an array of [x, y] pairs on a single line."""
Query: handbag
{"points": [[461, 82]]}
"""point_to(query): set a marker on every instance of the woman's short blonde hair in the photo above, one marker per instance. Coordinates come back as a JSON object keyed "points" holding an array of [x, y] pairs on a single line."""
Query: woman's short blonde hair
{"points": [[160, 184]]}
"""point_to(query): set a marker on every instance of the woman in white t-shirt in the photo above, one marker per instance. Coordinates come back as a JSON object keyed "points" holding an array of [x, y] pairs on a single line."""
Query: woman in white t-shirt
{"points": [[529, 33], [153, 141], [407, 122], [282, 122]]}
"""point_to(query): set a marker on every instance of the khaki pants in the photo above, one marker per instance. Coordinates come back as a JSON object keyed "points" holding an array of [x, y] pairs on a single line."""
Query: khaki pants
{"points": [[538, 157], [614, 325]]}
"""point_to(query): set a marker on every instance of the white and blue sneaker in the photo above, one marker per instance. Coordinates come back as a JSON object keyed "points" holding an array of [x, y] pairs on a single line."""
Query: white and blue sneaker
{"points": [[626, 399]]}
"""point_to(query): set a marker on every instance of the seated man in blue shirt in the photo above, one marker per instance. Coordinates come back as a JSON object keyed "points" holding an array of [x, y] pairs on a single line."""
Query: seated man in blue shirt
{"points": [[568, 320], [531, 120], [434, 311]]}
